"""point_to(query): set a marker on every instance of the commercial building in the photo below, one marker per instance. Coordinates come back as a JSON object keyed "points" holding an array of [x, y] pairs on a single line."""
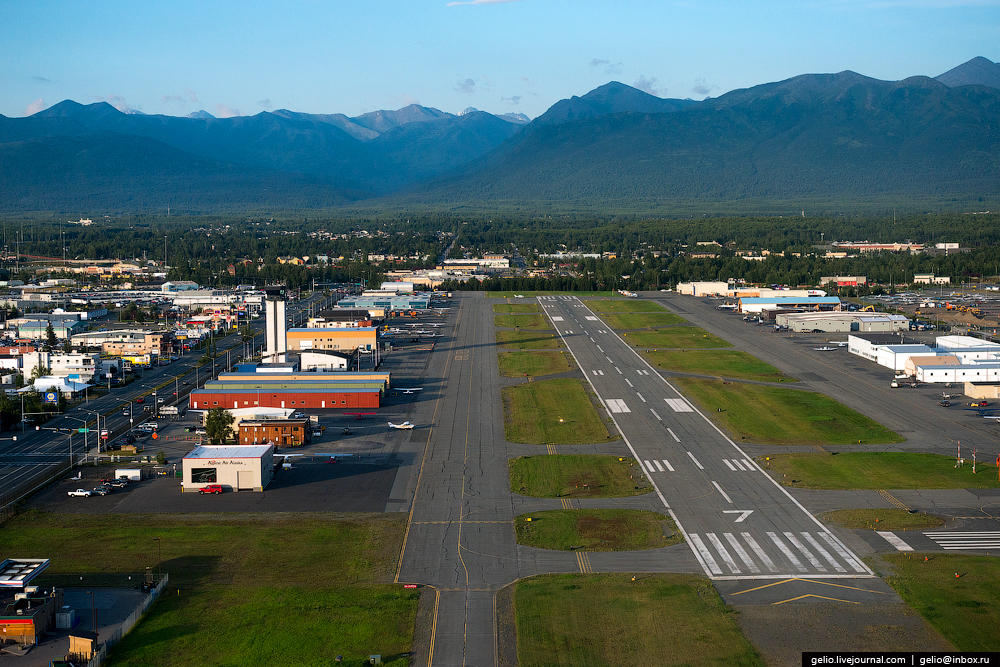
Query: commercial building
{"points": [[292, 390], [844, 281], [128, 342], [239, 468], [399, 302], [842, 322], [336, 339], [74, 365], [759, 304], [278, 432]]}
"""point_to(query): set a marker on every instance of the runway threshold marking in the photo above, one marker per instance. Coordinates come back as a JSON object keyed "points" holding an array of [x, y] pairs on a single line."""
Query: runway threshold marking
{"points": [[894, 540], [667, 463]]}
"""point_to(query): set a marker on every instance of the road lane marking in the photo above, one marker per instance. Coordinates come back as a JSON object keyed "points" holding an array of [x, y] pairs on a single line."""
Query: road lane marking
{"points": [[700, 466], [717, 543], [788, 552], [600, 348], [724, 494], [843, 552], [742, 553], [706, 555], [640, 397], [619, 370], [656, 415], [764, 558], [805, 552], [610, 360], [591, 339], [743, 514], [678, 405], [667, 463], [823, 552], [658, 466], [731, 466], [629, 383], [672, 434]]}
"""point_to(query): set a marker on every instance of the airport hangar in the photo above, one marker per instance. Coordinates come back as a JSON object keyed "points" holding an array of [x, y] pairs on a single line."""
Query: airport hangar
{"points": [[239, 468], [292, 390], [842, 322]]}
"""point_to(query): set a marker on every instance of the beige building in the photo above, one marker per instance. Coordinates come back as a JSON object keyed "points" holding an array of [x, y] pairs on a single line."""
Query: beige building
{"points": [[338, 340]]}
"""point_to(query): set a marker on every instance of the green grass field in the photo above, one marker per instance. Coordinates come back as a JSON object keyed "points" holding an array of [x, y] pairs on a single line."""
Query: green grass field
{"points": [[576, 476], [721, 363], [533, 321], [516, 308], [623, 306], [252, 590], [641, 320], [533, 364], [596, 530], [552, 412], [674, 337], [966, 609], [881, 519], [608, 620], [529, 340], [780, 416], [877, 470]]}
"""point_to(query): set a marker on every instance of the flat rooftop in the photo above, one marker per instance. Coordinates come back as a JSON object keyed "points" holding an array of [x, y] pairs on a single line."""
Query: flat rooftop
{"points": [[229, 452]]}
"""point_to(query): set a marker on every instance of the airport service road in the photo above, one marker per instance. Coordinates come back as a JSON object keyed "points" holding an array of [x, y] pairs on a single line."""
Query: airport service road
{"points": [[460, 538], [739, 523]]}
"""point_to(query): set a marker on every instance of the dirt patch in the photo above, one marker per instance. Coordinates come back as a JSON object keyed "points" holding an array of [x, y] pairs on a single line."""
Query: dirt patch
{"points": [[783, 632], [605, 530]]}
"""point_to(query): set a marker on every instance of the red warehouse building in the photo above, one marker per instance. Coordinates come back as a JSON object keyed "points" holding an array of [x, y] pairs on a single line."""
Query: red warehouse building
{"points": [[206, 399]]}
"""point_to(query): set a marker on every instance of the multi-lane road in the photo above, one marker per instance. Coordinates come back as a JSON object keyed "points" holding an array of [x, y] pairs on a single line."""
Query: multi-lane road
{"points": [[739, 522]]}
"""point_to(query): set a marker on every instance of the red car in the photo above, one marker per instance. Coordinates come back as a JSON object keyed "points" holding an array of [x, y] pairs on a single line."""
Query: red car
{"points": [[979, 404], [140, 400], [211, 488]]}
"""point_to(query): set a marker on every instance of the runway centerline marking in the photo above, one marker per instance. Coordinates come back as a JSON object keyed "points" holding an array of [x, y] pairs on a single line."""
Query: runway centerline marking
{"points": [[696, 462], [672, 434], [724, 494], [658, 418]]}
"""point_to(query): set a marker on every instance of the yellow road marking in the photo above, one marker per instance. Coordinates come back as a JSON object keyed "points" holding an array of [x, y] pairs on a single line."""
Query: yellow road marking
{"points": [[892, 499], [821, 597], [811, 581]]}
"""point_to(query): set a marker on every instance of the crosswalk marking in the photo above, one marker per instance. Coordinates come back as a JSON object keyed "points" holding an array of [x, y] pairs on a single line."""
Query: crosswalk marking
{"points": [[598, 372], [641, 371], [678, 405], [726, 558], [667, 463], [823, 552], [731, 466], [739, 465], [557, 318], [966, 540], [788, 553], [658, 466], [894, 540], [700, 466], [706, 555], [617, 405], [590, 318], [649, 466]]}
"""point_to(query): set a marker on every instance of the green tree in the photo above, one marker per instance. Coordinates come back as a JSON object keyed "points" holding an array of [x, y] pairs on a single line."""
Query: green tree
{"points": [[218, 425], [50, 335], [39, 371]]}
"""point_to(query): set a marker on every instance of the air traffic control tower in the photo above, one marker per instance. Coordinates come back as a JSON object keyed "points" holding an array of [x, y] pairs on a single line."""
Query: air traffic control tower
{"points": [[276, 326]]}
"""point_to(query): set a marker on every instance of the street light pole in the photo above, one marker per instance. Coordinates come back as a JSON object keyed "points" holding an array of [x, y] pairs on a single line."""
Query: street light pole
{"points": [[93, 611]]}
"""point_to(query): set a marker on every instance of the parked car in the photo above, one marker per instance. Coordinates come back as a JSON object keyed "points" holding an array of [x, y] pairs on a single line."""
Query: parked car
{"points": [[979, 404], [211, 488], [99, 491], [200, 431], [944, 404], [80, 493]]}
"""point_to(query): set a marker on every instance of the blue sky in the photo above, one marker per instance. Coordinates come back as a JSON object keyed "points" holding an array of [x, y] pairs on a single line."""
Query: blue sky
{"points": [[341, 56]]}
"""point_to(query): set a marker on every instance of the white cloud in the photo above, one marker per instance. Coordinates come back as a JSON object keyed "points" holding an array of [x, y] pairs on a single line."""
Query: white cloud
{"points": [[35, 107], [183, 99], [481, 2], [701, 87], [515, 100], [468, 86], [222, 111], [608, 66], [265, 103], [648, 85]]}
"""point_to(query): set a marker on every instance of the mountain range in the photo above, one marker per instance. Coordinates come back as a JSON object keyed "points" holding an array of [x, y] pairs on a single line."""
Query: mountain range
{"points": [[816, 137]]}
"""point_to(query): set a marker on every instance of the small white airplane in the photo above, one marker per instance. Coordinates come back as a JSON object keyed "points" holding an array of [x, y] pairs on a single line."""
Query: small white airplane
{"points": [[825, 348], [518, 296], [840, 343], [439, 324], [406, 426], [410, 390]]}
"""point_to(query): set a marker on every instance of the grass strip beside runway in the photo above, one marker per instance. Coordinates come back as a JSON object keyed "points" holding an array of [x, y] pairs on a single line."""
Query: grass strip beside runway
{"points": [[779, 416], [533, 364], [576, 476], [641, 320], [552, 412], [533, 293], [877, 470], [733, 364], [965, 609], [244, 590], [623, 306], [572, 620], [881, 519], [674, 337], [529, 340], [516, 308], [596, 530], [533, 321]]}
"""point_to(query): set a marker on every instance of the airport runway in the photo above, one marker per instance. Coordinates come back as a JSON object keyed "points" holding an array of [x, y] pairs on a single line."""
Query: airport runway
{"points": [[739, 523], [460, 538]]}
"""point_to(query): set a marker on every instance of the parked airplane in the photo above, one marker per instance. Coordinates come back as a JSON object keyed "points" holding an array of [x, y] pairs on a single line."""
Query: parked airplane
{"points": [[825, 348], [410, 390], [518, 296], [406, 426], [840, 343]]}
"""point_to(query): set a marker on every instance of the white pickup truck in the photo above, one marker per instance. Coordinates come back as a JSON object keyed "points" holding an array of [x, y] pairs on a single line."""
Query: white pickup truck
{"points": [[80, 493]]}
